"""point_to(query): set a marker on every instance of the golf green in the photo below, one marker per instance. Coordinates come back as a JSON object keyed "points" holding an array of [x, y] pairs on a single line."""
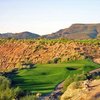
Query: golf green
{"points": [[44, 77]]}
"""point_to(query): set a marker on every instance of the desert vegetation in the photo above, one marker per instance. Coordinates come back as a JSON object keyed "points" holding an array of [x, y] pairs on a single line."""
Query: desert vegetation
{"points": [[15, 53], [6, 91]]}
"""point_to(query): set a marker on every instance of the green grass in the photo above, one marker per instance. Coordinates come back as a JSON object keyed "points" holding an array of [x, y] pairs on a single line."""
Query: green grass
{"points": [[45, 77]]}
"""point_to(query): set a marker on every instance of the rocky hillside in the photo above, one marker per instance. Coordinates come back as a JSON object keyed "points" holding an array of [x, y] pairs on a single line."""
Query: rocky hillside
{"points": [[15, 53], [22, 35], [77, 31], [77, 91]]}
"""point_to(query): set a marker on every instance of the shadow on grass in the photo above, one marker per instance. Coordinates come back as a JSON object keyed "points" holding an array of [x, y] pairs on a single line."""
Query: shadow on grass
{"points": [[71, 68]]}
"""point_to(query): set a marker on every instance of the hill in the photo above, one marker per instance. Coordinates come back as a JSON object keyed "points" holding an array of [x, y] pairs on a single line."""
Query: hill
{"points": [[17, 53], [77, 31], [22, 35]]}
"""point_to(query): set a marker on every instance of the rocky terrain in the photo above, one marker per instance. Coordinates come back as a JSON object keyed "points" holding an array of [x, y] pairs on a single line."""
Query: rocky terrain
{"points": [[81, 93], [15, 53]]}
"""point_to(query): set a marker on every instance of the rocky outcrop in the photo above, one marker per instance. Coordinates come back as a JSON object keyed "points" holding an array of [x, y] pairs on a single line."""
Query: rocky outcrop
{"points": [[97, 60], [79, 92]]}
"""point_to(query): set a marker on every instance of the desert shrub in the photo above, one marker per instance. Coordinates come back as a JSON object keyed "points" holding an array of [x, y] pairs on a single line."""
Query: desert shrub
{"points": [[6, 92], [56, 60], [97, 77], [9, 93], [76, 85], [4, 83], [38, 47], [26, 63], [29, 97], [19, 65], [67, 82], [49, 62]]}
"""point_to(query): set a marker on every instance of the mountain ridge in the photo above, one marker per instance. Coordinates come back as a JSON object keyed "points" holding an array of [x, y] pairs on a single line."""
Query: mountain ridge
{"points": [[75, 31], [21, 35]]}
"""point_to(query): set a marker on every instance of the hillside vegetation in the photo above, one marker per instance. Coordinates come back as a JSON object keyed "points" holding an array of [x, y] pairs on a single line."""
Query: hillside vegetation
{"points": [[26, 53], [6, 91]]}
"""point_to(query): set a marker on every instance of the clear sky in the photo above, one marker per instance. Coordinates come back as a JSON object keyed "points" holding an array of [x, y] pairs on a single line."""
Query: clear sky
{"points": [[46, 16]]}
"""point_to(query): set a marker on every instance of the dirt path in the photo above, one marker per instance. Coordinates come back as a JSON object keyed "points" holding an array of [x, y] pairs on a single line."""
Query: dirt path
{"points": [[95, 70]]}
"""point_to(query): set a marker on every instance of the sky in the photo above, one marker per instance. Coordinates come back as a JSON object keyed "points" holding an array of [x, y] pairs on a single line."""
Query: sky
{"points": [[46, 16]]}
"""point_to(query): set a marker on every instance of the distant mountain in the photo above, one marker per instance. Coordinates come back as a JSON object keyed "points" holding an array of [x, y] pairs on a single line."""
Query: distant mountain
{"points": [[21, 35], [77, 31], [6, 35]]}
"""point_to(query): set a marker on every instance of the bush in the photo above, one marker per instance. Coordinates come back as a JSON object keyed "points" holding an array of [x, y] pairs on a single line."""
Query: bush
{"points": [[29, 97], [67, 82], [76, 85], [97, 77], [56, 60], [4, 83], [6, 92]]}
